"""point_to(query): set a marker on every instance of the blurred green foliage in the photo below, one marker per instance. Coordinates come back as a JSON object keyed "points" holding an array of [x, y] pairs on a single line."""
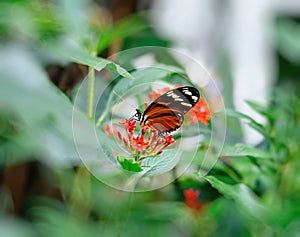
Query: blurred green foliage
{"points": [[251, 191], [286, 35]]}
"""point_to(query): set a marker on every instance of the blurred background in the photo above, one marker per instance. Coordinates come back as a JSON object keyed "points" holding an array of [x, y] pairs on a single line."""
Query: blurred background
{"points": [[250, 48], [241, 38]]}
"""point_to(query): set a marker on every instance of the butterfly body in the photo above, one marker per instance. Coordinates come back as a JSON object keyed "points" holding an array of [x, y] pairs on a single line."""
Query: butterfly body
{"points": [[166, 113]]}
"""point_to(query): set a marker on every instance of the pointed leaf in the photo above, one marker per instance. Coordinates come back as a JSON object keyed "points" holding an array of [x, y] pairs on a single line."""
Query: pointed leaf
{"points": [[251, 122], [161, 163], [260, 109], [243, 196], [244, 150], [129, 164], [75, 53]]}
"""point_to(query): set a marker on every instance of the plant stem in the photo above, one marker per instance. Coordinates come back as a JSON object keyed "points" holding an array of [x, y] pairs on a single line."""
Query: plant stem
{"points": [[80, 197], [144, 157], [99, 121], [91, 92]]}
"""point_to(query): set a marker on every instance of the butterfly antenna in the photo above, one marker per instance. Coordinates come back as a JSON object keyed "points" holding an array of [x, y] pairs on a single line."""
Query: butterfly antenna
{"points": [[122, 99]]}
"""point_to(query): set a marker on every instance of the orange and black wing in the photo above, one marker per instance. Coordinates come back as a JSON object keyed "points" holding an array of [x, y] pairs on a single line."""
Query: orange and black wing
{"points": [[165, 114]]}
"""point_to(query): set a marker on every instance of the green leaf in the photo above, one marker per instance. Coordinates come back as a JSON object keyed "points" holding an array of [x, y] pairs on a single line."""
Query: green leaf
{"points": [[251, 122], [260, 109], [41, 114], [72, 51], [244, 150], [287, 38], [161, 163], [129, 164], [244, 197], [122, 29]]}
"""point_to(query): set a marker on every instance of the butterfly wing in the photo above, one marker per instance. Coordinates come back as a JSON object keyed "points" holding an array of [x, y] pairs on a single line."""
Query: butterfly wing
{"points": [[162, 118], [165, 114]]}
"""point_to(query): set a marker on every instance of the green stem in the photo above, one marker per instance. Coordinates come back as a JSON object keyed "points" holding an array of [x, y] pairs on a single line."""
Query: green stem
{"points": [[99, 121], [80, 196], [91, 92], [144, 157]]}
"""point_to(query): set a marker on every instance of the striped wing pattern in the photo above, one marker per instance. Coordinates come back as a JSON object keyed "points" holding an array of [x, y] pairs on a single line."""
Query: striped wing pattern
{"points": [[166, 113]]}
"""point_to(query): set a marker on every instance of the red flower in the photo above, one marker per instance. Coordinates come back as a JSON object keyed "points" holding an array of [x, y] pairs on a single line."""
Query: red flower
{"points": [[146, 144], [129, 125], [200, 112], [139, 141], [191, 195], [106, 129], [191, 199], [169, 140]]}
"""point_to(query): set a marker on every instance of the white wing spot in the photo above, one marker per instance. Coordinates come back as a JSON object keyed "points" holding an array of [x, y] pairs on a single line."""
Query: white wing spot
{"points": [[173, 95], [188, 92], [195, 98], [178, 99], [186, 104]]}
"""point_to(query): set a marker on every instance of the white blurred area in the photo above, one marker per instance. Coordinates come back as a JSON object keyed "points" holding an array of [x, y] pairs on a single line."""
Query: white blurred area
{"points": [[203, 28]]}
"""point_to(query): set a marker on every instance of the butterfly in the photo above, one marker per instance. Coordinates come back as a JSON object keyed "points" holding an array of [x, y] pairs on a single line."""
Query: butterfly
{"points": [[166, 113]]}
